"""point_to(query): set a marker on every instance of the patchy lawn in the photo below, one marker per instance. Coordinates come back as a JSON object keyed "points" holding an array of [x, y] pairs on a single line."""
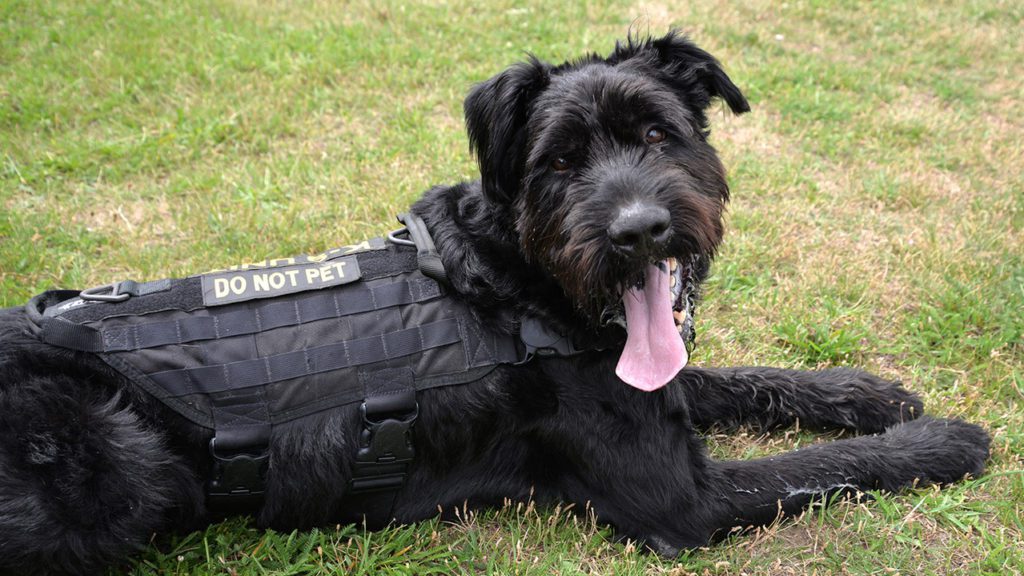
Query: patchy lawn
{"points": [[877, 221]]}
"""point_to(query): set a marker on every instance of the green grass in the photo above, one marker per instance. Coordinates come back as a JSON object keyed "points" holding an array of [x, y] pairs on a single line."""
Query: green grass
{"points": [[877, 221]]}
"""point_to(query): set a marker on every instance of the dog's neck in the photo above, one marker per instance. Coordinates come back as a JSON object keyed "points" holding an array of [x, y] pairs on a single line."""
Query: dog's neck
{"points": [[481, 252]]}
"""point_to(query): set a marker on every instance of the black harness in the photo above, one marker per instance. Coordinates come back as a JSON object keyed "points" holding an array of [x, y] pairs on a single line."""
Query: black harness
{"points": [[241, 350]]}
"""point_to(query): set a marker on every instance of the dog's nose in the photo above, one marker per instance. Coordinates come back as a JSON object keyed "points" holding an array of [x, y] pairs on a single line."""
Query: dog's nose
{"points": [[640, 226]]}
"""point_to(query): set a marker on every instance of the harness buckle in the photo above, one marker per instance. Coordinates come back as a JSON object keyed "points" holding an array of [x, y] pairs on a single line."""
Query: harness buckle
{"points": [[236, 476], [540, 340], [97, 293], [385, 451]]}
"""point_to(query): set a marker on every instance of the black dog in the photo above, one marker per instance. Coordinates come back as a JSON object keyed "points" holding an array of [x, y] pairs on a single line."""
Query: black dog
{"points": [[598, 211]]}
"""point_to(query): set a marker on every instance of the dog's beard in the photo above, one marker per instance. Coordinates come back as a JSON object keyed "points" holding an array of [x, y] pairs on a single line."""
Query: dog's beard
{"points": [[644, 296]]}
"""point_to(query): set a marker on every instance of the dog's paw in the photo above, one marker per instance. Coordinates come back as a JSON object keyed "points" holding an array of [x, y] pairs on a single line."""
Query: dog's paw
{"points": [[865, 403], [662, 547], [934, 451], [668, 541]]}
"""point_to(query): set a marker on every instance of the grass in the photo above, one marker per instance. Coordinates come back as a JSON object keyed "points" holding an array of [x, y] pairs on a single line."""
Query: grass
{"points": [[877, 221]]}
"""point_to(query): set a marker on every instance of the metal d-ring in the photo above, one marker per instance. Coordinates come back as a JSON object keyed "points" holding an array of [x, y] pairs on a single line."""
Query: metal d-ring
{"points": [[393, 237], [97, 295]]}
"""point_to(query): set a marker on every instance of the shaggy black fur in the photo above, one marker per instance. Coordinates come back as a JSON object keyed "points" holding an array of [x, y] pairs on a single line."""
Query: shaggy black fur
{"points": [[90, 467]]}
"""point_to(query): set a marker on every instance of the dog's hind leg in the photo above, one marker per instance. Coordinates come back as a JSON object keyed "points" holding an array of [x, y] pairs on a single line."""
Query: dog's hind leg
{"points": [[770, 397], [83, 481]]}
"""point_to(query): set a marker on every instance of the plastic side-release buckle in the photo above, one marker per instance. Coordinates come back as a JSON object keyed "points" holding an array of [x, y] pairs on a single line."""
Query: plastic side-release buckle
{"points": [[237, 477], [540, 340], [385, 451]]}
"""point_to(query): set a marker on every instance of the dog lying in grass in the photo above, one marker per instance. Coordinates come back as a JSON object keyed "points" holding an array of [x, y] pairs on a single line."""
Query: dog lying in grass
{"points": [[574, 262]]}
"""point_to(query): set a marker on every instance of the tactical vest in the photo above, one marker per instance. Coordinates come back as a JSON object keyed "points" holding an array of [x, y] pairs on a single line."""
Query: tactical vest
{"points": [[241, 350]]}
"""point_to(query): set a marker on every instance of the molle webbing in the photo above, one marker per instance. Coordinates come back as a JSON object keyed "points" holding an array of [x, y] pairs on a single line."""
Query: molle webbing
{"points": [[265, 316], [298, 353], [280, 367]]}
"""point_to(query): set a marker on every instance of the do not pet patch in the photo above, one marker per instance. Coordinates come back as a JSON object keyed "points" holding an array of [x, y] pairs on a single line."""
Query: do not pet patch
{"points": [[241, 285]]}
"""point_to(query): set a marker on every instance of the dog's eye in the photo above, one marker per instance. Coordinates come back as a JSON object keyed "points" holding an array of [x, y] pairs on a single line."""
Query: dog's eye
{"points": [[560, 164], [654, 135]]}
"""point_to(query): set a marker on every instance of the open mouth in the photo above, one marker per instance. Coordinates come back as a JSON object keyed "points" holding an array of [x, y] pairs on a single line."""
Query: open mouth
{"points": [[657, 315]]}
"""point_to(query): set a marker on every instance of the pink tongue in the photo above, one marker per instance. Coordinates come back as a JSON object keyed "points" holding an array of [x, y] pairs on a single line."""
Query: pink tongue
{"points": [[654, 351]]}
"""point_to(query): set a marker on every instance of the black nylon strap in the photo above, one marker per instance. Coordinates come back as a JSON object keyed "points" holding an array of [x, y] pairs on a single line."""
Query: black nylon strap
{"points": [[40, 302], [269, 315], [427, 258], [60, 332], [241, 420], [239, 449], [485, 347], [133, 288], [279, 367], [385, 450]]}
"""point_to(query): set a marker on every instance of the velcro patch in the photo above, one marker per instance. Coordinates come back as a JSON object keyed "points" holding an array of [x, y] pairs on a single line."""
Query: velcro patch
{"points": [[241, 285], [364, 246]]}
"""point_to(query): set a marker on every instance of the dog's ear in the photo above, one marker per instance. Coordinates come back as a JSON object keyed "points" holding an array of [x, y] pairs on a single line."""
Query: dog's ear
{"points": [[496, 114], [695, 72]]}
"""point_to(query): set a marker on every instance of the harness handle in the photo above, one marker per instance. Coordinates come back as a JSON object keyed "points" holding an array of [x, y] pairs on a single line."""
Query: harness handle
{"points": [[427, 257]]}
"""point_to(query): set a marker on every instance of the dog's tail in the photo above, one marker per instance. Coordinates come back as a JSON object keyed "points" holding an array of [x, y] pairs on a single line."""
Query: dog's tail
{"points": [[83, 480]]}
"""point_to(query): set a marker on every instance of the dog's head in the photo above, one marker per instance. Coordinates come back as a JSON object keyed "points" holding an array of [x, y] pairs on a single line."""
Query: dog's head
{"points": [[615, 190]]}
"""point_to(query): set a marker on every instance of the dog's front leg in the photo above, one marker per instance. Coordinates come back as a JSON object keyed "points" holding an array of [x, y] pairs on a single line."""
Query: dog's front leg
{"points": [[715, 498], [637, 461], [756, 492], [840, 398]]}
